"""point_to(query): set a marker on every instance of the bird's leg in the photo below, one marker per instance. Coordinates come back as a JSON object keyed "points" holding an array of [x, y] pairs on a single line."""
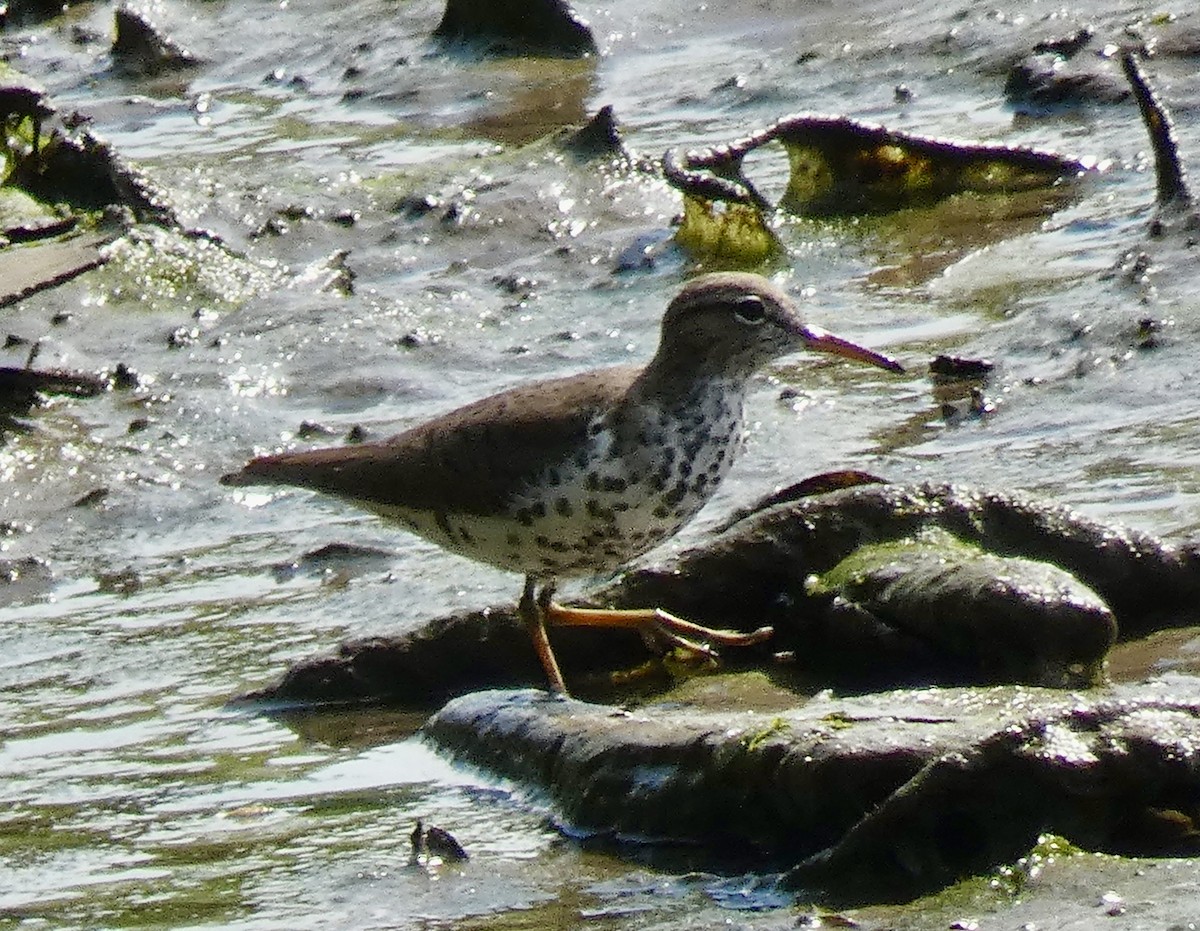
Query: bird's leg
{"points": [[653, 623], [533, 614]]}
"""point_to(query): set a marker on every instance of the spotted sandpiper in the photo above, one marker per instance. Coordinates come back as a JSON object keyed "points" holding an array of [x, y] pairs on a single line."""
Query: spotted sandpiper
{"points": [[579, 475]]}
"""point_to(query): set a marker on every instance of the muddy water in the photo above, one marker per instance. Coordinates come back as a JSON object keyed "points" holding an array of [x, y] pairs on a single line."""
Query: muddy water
{"points": [[132, 795]]}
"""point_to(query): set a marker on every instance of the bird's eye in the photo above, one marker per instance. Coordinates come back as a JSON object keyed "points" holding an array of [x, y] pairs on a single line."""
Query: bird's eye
{"points": [[750, 309]]}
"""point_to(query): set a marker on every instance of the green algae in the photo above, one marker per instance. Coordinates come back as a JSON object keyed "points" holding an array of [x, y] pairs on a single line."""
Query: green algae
{"points": [[728, 234], [156, 268]]}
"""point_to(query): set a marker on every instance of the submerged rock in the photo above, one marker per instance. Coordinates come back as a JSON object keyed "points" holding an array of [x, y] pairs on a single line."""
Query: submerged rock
{"points": [[599, 138], [1050, 80], [15, 13], [22, 580], [547, 27]]}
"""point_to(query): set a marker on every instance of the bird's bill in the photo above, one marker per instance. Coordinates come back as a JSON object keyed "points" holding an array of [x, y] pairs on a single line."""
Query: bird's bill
{"points": [[822, 341]]}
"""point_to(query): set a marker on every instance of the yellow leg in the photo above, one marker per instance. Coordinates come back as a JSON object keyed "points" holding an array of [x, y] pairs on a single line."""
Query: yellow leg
{"points": [[532, 614], [654, 622]]}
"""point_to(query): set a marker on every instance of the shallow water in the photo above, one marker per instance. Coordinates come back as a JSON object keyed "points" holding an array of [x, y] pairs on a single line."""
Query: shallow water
{"points": [[132, 795]]}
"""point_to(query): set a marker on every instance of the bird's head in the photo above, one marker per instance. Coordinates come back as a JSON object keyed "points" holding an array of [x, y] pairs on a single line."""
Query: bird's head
{"points": [[733, 323]]}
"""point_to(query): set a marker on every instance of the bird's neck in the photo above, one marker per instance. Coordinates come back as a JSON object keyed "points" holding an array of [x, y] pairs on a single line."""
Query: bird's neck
{"points": [[676, 381]]}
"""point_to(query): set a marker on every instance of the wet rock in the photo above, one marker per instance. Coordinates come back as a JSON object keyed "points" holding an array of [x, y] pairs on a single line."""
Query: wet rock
{"points": [[546, 27], [311, 428], [125, 378], [600, 138], [20, 387], [1067, 46], [1048, 80], [141, 49], [757, 568], [417, 205], [20, 100], [334, 557], [881, 797], [446, 657], [433, 841], [17, 13], [956, 368], [88, 174], [50, 264], [998, 618], [1114, 775], [22, 579]]}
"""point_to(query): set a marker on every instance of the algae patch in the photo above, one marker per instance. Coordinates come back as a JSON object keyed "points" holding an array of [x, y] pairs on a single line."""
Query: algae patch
{"points": [[157, 268]]}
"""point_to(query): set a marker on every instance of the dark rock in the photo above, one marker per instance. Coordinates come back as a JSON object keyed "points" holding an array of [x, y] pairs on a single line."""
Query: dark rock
{"points": [[416, 205], [955, 368], [17, 13], [548, 27], [139, 47], [906, 791], [1066, 46], [87, 173], [124, 378], [22, 579], [20, 387], [993, 618], [332, 557], [1047, 81], [446, 657], [1148, 583], [22, 100], [1105, 774], [600, 138], [310, 428]]}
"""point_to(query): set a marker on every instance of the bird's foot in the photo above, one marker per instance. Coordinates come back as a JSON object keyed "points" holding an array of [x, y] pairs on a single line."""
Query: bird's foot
{"points": [[660, 629]]}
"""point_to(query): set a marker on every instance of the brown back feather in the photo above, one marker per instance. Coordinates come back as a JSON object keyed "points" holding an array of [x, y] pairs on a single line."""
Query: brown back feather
{"points": [[467, 461]]}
